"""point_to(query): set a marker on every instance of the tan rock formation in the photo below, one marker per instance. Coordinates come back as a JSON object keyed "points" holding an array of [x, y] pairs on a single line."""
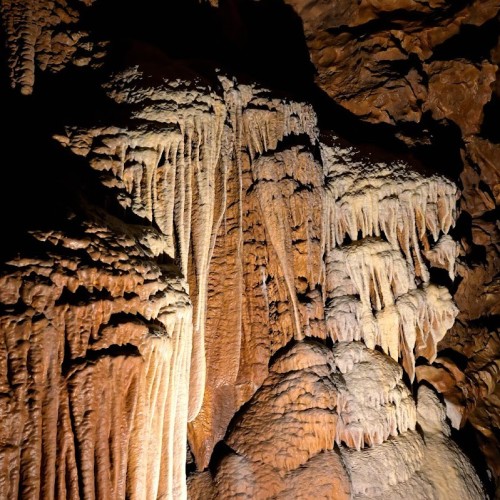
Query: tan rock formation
{"points": [[422, 466], [382, 75], [306, 396], [472, 90], [96, 347], [44, 34], [241, 285], [429, 64]]}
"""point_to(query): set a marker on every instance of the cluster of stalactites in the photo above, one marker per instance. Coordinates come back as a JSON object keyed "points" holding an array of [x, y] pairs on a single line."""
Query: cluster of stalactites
{"points": [[163, 165], [372, 296], [375, 404], [170, 164], [261, 121], [44, 34], [98, 294], [376, 199], [166, 165], [443, 254]]}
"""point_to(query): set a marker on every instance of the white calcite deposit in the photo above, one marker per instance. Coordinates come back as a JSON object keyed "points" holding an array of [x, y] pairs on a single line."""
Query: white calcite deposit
{"points": [[378, 287], [256, 284], [390, 200], [373, 296], [376, 404]]}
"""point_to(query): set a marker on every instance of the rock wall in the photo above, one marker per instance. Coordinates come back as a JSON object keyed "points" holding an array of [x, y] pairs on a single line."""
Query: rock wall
{"points": [[204, 262]]}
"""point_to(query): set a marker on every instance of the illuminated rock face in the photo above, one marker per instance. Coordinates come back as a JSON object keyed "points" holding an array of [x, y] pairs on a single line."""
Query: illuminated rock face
{"points": [[315, 397], [96, 348], [396, 71], [235, 281], [258, 228], [44, 35]]}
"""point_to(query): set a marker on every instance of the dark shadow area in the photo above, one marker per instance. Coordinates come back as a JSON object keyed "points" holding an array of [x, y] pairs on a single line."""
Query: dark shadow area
{"points": [[476, 254], [256, 41], [471, 42], [458, 358], [490, 128], [190, 463], [221, 450], [490, 322], [81, 296], [406, 379], [91, 356], [441, 277], [466, 439], [46, 185]]}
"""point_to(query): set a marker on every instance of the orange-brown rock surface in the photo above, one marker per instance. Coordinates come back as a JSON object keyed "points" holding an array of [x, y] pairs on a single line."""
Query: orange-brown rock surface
{"points": [[378, 58], [431, 64], [201, 263], [95, 334]]}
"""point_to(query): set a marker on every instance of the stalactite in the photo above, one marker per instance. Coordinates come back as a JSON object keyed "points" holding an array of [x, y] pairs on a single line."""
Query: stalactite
{"points": [[255, 229], [386, 199], [264, 273], [443, 255], [180, 143], [377, 300], [45, 35], [84, 414], [372, 293]]}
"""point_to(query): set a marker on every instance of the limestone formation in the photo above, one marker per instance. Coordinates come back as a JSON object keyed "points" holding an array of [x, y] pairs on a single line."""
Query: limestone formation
{"points": [[223, 299], [427, 465], [96, 347], [313, 393], [376, 58], [45, 35]]}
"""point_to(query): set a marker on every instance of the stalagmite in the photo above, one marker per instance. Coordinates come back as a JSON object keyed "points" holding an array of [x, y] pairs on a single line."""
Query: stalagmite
{"points": [[421, 465], [379, 453], [397, 460], [301, 401], [376, 403], [287, 432], [426, 464]]}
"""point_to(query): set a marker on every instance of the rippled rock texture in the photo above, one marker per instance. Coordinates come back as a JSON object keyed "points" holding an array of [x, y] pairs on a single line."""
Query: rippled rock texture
{"points": [[211, 287]]}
